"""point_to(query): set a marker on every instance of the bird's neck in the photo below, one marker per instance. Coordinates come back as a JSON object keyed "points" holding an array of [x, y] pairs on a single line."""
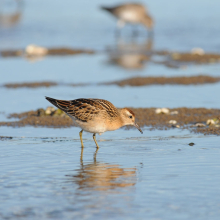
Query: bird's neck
{"points": [[116, 123]]}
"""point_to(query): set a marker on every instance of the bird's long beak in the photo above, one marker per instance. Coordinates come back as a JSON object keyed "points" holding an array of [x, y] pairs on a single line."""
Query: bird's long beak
{"points": [[137, 126]]}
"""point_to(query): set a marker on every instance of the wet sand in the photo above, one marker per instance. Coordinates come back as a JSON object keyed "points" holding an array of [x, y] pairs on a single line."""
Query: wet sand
{"points": [[194, 119], [197, 58], [59, 51], [135, 81], [142, 81], [30, 85]]}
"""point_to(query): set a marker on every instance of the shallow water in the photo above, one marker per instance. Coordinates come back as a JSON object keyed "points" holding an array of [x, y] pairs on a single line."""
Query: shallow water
{"points": [[156, 175]]}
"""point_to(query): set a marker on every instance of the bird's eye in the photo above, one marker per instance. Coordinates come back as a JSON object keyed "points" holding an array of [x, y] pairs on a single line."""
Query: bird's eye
{"points": [[130, 116]]}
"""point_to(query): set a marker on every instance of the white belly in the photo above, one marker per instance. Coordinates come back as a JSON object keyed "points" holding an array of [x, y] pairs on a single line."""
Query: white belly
{"points": [[129, 16], [92, 127]]}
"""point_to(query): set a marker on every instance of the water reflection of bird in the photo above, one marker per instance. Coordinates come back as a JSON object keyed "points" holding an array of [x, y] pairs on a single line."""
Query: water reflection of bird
{"points": [[10, 12], [131, 55], [95, 115], [131, 13], [103, 177]]}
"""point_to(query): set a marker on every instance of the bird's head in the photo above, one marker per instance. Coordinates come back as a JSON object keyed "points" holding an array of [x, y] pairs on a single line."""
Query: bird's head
{"points": [[128, 118]]}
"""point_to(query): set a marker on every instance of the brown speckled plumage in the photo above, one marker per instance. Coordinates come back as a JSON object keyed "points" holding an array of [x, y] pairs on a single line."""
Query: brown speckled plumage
{"points": [[85, 109], [95, 115]]}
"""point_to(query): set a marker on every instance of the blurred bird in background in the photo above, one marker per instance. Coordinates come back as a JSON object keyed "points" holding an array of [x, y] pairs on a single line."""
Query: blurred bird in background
{"points": [[132, 13]]}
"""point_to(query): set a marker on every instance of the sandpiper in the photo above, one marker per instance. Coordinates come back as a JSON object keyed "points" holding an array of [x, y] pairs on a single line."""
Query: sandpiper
{"points": [[131, 13], [95, 115]]}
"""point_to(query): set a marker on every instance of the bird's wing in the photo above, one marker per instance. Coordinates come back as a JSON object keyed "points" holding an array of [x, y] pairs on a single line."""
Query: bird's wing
{"points": [[85, 109]]}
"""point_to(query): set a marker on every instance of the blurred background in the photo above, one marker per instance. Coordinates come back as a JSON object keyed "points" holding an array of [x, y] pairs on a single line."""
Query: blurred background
{"points": [[178, 27], [155, 175]]}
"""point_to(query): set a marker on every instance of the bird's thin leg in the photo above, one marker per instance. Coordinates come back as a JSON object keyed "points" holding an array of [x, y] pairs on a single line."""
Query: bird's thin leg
{"points": [[95, 154], [80, 134], [81, 156], [95, 140]]}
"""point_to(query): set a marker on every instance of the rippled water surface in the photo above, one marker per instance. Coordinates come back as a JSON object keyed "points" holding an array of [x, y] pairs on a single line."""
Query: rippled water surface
{"points": [[157, 175]]}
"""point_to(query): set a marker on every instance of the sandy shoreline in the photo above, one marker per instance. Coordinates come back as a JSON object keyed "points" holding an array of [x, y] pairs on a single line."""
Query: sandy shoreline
{"points": [[199, 120], [135, 81]]}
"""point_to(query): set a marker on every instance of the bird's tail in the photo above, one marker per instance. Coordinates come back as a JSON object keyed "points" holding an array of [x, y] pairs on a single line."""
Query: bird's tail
{"points": [[61, 104], [107, 9]]}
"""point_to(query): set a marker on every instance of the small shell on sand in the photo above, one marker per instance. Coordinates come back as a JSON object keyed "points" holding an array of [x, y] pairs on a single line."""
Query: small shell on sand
{"points": [[199, 125], [162, 111], [198, 51], [174, 113], [34, 50], [173, 122], [49, 110], [210, 122]]}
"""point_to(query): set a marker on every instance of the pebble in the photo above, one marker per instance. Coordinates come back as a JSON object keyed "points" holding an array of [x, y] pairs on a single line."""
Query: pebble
{"points": [[198, 51], [49, 110], [210, 122], [34, 50], [199, 125], [162, 111], [173, 122], [40, 112], [174, 113]]}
